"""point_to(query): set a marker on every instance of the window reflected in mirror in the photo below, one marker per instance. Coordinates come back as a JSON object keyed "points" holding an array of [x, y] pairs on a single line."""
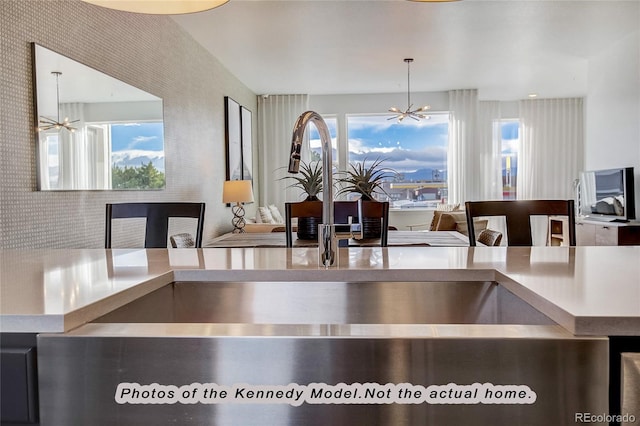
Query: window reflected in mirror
{"points": [[94, 132]]}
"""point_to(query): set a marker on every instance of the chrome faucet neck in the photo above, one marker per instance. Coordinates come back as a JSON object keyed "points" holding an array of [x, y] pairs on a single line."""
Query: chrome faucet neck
{"points": [[327, 160]]}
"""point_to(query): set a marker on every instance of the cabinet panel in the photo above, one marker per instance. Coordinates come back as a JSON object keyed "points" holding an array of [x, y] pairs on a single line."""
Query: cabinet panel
{"points": [[18, 379], [606, 236], [585, 234]]}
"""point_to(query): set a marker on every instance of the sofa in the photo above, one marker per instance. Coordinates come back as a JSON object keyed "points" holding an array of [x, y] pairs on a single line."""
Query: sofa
{"points": [[455, 220], [267, 219]]}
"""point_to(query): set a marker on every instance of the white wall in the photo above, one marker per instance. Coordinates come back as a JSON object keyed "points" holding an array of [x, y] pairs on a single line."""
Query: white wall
{"points": [[613, 109], [146, 51]]}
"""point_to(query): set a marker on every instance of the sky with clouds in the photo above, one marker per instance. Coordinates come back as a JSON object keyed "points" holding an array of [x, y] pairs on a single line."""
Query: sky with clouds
{"points": [[406, 146], [137, 136], [135, 143]]}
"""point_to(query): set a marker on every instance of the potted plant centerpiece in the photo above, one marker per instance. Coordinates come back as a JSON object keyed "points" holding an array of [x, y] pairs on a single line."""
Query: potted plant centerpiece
{"points": [[366, 180], [309, 181]]}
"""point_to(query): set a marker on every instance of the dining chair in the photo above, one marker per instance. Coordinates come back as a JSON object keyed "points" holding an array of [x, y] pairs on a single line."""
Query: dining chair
{"points": [[376, 215], [302, 209], [518, 217], [157, 216]]}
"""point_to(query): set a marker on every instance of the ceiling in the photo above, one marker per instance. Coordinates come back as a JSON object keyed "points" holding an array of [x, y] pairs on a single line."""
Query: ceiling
{"points": [[506, 49]]}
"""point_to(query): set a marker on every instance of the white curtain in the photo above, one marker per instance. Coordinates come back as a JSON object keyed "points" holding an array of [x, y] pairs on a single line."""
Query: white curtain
{"points": [[461, 164], [98, 143], [75, 160], [488, 154], [552, 147], [276, 116], [551, 152], [487, 181], [71, 149]]}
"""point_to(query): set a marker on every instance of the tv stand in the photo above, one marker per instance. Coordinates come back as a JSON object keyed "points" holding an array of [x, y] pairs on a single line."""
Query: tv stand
{"points": [[590, 232], [608, 219]]}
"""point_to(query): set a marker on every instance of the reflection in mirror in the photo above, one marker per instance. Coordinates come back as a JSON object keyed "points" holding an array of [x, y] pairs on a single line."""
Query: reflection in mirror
{"points": [[94, 132]]}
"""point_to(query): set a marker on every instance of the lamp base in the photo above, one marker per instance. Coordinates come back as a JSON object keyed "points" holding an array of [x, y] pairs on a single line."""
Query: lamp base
{"points": [[238, 221]]}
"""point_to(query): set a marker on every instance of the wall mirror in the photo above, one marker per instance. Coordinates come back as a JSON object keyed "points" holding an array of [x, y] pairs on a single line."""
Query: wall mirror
{"points": [[94, 132]]}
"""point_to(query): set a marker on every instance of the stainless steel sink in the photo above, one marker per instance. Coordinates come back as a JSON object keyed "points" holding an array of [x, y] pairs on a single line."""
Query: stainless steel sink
{"points": [[377, 335], [330, 303]]}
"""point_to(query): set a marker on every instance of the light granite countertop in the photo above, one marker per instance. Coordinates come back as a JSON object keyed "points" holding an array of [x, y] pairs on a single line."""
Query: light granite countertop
{"points": [[587, 290]]}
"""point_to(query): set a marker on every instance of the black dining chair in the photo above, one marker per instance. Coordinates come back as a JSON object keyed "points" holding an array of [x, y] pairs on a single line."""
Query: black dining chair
{"points": [[518, 217], [302, 209], [375, 214], [157, 216]]}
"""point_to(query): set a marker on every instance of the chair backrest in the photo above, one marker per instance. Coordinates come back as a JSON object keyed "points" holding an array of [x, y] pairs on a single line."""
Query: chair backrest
{"points": [[518, 217], [157, 220], [300, 209], [489, 237], [342, 210], [183, 240]]}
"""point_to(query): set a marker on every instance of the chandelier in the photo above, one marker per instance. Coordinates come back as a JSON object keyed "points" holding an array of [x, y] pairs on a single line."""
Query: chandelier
{"points": [[416, 114], [159, 7], [47, 123]]}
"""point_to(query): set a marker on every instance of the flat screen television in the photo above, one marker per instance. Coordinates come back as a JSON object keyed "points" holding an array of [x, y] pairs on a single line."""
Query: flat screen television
{"points": [[608, 195]]}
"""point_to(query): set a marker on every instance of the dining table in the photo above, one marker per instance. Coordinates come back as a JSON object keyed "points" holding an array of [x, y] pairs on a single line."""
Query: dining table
{"points": [[395, 238]]}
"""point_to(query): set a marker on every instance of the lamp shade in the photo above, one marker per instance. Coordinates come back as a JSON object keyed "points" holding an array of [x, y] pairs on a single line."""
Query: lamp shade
{"points": [[237, 191], [159, 7]]}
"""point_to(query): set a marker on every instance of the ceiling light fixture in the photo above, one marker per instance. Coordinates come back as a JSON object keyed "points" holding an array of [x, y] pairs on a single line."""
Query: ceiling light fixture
{"points": [[432, 1], [47, 123], [415, 114], [159, 7]]}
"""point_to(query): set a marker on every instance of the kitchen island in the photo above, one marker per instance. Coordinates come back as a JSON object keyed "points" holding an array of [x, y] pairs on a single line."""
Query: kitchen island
{"points": [[106, 323]]}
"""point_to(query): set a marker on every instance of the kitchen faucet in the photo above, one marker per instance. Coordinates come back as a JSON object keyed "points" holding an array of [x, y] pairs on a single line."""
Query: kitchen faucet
{"points": [[327, 235]]}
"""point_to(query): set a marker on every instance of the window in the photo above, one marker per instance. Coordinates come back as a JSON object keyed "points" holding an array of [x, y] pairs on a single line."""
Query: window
{"points": [[316, 145], [103, 156], [510, 137], [137, 155], [415, 150]]}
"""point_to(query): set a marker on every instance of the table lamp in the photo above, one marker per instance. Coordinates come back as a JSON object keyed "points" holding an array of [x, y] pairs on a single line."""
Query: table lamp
{"points": [[238, 192]]}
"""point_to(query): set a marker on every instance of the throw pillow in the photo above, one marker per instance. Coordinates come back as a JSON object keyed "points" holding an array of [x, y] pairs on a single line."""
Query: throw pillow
{"points": [[440, 209], [449, 220], [265, 215], [275, 213]]}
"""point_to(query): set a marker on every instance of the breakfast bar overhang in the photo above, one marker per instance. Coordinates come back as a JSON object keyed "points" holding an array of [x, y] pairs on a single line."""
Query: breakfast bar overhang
{"points": [[395, 335]]}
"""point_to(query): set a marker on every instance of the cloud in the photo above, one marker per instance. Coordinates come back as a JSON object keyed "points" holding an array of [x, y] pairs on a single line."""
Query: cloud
{"points": [[402, 160], [138, 140]]}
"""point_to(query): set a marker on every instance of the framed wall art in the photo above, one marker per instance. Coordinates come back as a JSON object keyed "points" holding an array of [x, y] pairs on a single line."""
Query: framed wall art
{"points": [[233, 138], [247, 155]]}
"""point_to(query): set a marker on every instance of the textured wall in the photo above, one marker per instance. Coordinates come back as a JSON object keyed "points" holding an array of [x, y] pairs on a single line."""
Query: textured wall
{"points": [[149, 52]]}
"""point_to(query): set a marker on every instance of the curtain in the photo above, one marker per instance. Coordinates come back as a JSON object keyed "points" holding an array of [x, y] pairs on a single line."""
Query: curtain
{"points": [[84, 155], [72, 149], [551, 152], [488, 157], [488, 153], [461, 165], [276, 116], [552, 147]]}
